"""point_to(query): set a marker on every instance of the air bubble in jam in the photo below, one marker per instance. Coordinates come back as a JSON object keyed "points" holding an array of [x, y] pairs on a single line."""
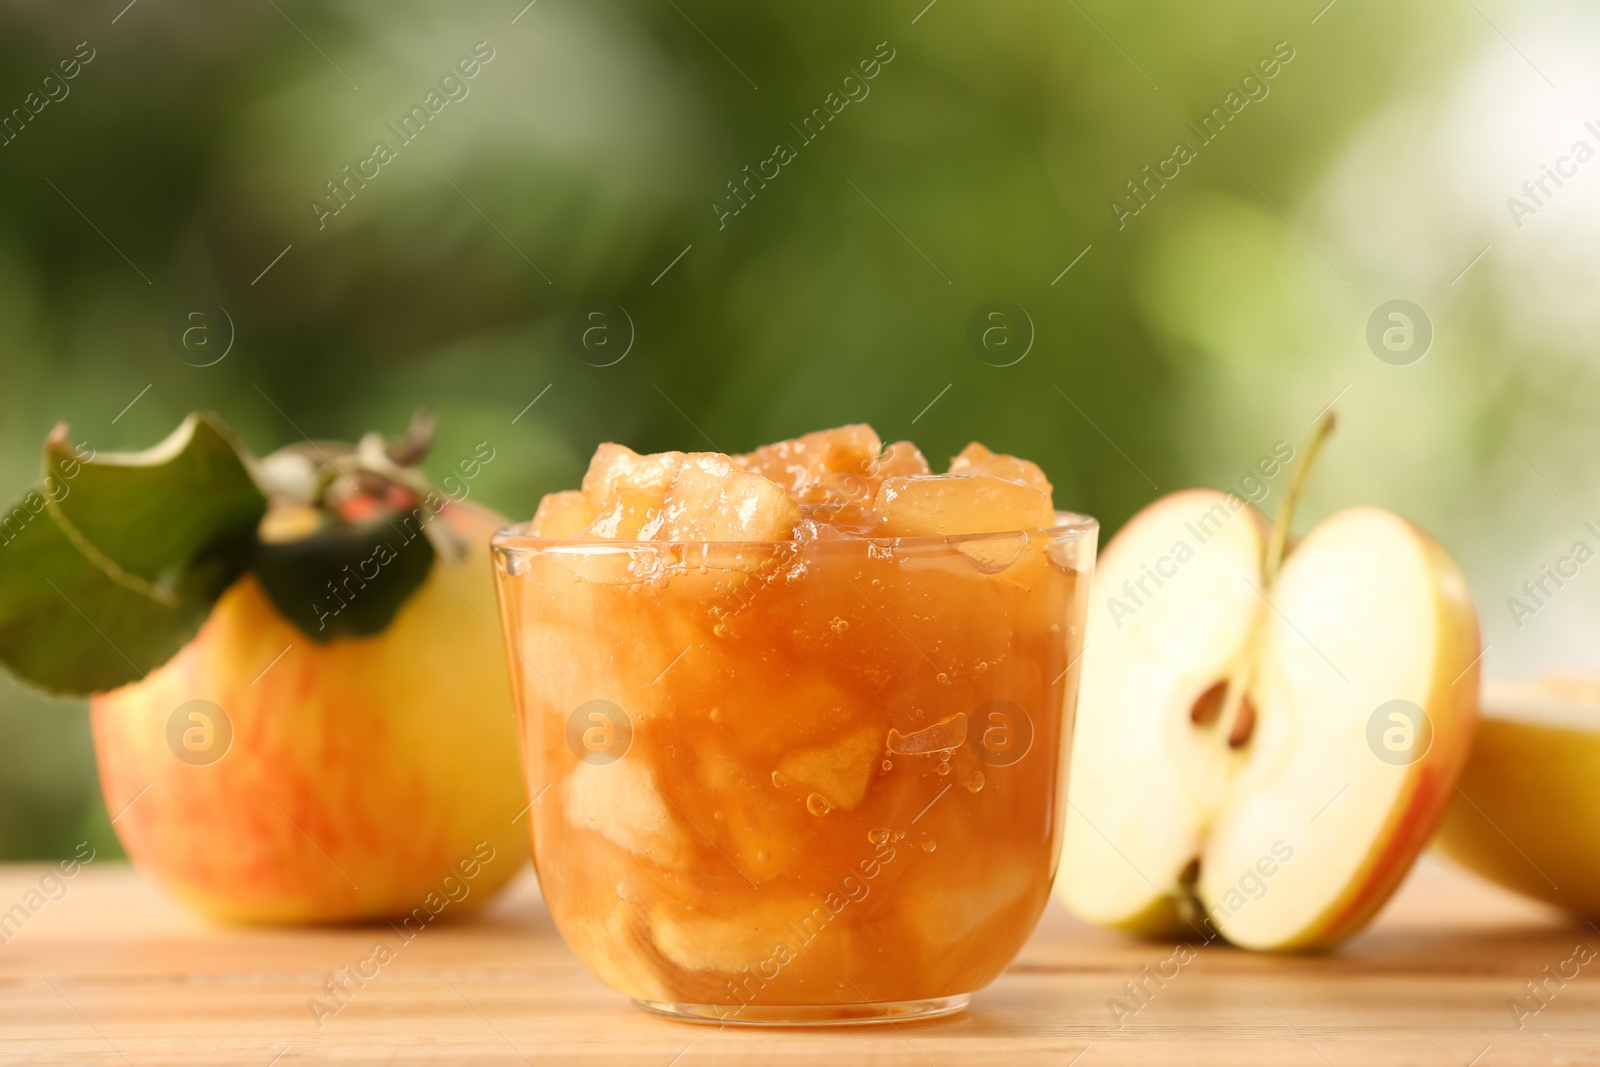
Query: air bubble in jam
{"points": [[943, 768], [888, 765], [878, 835], [779, 780], [975, 783], [943, 679], [946, 735], [817, 804], [929, 844], [839, 625]]}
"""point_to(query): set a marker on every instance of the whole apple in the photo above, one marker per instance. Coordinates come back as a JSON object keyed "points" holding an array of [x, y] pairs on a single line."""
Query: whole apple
{"points": [[1527, 813], [298, 697], [359, 774]]}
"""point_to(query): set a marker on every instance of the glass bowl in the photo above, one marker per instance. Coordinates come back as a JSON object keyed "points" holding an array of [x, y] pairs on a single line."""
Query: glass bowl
{"points": [[795, 782]]}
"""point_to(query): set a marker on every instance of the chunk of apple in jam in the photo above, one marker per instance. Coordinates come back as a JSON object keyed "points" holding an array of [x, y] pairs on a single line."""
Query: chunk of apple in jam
{"points": [[712, 499], [838, 772], [628, 491], [903, 457], [618, 468], [976, 459], [834, 475], [621, 802], [562, 514], [952, 504], [810, 467], [670, 496]]}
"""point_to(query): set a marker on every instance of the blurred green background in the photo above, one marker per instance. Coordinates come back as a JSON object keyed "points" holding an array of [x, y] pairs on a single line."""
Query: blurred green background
{"points": [[181, 163]]}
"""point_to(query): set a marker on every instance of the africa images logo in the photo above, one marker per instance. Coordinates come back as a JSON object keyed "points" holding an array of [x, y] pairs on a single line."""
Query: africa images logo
{"points": [[811, 126], [453, 86], [1252, 87]]}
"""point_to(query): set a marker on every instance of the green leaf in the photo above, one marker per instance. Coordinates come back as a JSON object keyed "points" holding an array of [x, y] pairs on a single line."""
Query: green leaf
{"points": [[113, 562], [349, 579]]}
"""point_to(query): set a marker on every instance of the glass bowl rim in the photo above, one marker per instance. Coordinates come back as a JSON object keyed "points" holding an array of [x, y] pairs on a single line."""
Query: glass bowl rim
{"points": [[1069, 525]]}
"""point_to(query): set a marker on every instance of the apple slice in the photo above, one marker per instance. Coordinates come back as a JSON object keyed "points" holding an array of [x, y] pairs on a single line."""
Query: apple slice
{"points": [[1369, 615], [1528, 813], [1146, 780], [1237, 760]]}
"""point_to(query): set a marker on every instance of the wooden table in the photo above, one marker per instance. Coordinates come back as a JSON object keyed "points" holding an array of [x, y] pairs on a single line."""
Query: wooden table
{"points": [[115, 973]]}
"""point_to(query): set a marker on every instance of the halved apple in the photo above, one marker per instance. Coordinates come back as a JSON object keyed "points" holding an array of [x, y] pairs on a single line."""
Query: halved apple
{"points": [[1264, 751], [1528, 812]]}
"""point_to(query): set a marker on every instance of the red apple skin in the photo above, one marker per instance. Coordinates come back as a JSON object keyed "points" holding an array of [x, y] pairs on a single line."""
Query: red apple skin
{"points": [[361, 774]]}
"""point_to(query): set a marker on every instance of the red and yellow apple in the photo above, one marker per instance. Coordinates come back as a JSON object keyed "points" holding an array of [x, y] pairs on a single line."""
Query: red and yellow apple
{"points": [[360, 772], [1528, 812], [298, 692]]}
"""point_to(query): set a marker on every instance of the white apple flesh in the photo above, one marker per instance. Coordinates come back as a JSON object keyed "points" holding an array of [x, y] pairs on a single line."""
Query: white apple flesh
{"points": [[1268, 815], [1145, 781]]}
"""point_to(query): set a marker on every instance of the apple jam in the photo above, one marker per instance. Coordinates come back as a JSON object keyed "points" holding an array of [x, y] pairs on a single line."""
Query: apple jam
{"points": [[793, 723]]}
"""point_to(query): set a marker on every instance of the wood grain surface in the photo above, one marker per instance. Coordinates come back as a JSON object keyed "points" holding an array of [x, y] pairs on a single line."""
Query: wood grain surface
{"points": [[116, 973]]}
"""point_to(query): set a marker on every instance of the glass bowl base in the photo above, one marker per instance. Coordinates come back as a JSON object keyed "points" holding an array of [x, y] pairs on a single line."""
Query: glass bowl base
{"points": [[860, 1014]]}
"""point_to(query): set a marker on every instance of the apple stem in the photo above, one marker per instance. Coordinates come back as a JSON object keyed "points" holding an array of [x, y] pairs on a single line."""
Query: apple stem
{"points": [[1277, 547], [1237, 713]]}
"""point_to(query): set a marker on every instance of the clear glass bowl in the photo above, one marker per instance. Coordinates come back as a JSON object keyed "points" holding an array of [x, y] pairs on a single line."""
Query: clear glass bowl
{"points": [[811, 781]]}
